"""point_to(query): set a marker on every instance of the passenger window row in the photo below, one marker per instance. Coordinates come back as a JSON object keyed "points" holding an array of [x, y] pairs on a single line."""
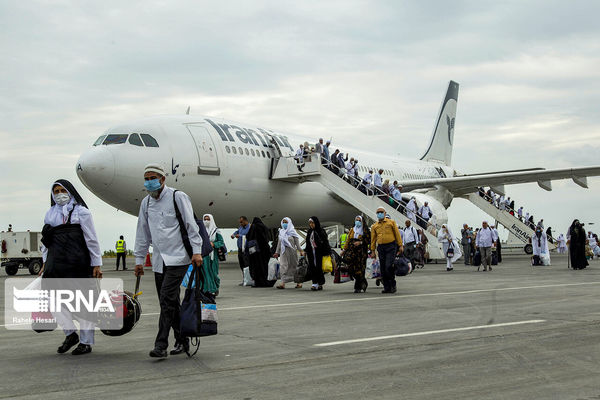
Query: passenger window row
{"points": [[142, 139], [242, 151]]}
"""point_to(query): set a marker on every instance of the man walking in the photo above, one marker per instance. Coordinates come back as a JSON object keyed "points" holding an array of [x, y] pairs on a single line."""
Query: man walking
{"points": [[385, 238], [240, 234], [486, 239], [121, 248], [465, 241], [164, 216], [425, 214], [410, 239]]}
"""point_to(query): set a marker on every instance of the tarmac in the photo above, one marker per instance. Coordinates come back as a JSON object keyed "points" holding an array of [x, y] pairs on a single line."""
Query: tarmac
{"points": [[517, 332]]}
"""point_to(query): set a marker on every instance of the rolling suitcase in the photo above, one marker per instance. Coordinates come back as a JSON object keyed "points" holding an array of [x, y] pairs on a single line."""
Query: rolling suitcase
{"points": [[494, 258]]}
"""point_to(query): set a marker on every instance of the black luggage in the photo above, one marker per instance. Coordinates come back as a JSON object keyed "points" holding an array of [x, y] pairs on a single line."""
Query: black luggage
{"points": [[477, 258], [535, 260], [402, 266], [494, 258]]}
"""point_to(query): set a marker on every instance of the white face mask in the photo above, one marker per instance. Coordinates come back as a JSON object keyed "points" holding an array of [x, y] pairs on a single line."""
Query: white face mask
{"points": [[62, 198], [206, 223]]}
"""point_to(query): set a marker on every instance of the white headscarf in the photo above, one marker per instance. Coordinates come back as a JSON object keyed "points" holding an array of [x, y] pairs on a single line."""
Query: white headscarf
{"points": [[212, 228], [57, 215], [286, 234], [358, 231]]}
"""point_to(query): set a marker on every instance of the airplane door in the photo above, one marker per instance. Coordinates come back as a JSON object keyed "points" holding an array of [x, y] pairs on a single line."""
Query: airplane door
{"points": [[208, 162]]}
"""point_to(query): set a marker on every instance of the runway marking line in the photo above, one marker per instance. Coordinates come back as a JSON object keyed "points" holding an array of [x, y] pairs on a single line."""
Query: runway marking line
{"points": [[404, 335], [305, 303]]}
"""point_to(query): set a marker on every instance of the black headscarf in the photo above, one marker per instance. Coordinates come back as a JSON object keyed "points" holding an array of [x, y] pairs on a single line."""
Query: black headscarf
{"points": [[316, 222], [72, 191]]}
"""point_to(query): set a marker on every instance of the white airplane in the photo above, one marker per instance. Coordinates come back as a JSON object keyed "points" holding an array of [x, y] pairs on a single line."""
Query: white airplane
{"points": [[226, 168]]}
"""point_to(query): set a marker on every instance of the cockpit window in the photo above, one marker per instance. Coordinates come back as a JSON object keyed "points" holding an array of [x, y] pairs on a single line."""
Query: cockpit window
{"points": [[135, 140], [99, 140], [115, 139], [149, 141]]}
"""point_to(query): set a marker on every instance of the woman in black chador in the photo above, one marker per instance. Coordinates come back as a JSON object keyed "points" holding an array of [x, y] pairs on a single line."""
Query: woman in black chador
{"points": [[259, 260], [71, 250], [576, 239], [317, 247]]}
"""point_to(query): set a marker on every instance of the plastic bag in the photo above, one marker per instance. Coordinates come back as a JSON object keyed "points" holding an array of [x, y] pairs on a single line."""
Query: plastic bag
{"points": [[274, 266], [248, 281], [327, 265], [375, 269]]}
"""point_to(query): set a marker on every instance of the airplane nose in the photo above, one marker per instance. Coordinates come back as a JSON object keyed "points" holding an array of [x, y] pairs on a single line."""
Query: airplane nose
{"points": [[96, 167]]}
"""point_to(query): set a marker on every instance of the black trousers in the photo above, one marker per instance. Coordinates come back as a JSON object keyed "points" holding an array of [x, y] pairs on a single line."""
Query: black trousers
{"points": [[167, 287], [387, 254], [243, 259], [123, 256], [467, 253], [318, 277]]}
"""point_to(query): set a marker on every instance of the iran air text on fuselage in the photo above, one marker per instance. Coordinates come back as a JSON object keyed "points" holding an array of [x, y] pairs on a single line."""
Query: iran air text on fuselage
{"points": [[249, 136]]}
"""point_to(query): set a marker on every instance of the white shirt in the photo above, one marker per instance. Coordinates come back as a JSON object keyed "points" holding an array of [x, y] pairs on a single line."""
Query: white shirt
{"points": [[367, 178], [486, 237], [377, 180], [425, 212], [158, 226], [350, 168], [410, 235], [396, 194], [83, 217]]}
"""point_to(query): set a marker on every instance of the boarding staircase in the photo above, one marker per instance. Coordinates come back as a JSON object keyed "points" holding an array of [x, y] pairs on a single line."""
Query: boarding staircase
{"points": [[346, 187], [503, 216]]}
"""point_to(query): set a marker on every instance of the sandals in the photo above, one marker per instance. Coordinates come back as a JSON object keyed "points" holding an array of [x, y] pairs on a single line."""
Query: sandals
{"points": [[299, 286], [280, 287]]}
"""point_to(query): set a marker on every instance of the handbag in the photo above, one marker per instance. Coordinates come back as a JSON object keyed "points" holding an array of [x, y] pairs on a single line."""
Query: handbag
{"points": [[198, 312], [450, 251], [301, 275], [327, 265], [222, 253], [252, 246], [342, 275]]}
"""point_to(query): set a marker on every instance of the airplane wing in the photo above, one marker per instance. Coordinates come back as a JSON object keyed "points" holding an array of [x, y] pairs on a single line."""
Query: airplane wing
{"points": [[463, 184]]}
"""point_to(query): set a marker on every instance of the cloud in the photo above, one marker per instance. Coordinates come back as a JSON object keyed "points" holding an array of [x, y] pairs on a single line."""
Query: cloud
{"points": [[369, 74]]}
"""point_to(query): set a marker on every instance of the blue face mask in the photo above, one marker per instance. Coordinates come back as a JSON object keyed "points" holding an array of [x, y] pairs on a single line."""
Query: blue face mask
{"points": [[153, 185], [380, 215], [357, 224], [284, 225]]}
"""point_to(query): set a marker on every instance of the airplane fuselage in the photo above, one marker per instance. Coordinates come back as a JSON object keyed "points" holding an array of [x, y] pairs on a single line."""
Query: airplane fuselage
{"points": [[224, 167]]}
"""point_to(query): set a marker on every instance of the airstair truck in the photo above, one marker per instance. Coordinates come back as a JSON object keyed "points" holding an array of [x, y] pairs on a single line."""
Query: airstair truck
{"points": [[21, 250]]}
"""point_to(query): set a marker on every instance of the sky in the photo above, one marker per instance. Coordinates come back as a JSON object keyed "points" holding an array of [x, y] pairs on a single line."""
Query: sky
{"points": [[367, 73]]}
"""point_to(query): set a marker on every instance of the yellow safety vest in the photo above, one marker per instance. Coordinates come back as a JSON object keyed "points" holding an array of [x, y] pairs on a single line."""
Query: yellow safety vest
{"points": [[343, 239], [120, 247]]}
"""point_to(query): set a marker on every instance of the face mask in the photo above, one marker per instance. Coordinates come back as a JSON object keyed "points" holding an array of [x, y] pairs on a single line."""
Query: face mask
{"points": [[206, 223], [62, 198], [380, 215], [357, 224], [284, 225], [153, 185]]}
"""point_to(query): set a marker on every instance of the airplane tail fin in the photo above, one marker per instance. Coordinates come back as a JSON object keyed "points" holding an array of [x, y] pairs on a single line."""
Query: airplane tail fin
{"points": [[440, 146]]}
